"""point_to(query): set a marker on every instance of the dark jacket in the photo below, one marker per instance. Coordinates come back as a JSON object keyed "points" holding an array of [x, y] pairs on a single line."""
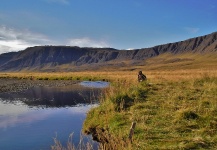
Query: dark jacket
{"points": [[141, 77]]}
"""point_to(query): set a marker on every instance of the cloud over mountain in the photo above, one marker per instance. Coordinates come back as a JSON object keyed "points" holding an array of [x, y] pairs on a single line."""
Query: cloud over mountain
{"points": [[87, 42], [13, 40]]}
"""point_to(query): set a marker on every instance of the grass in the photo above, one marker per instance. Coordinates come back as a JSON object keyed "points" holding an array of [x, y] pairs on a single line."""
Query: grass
{"points": [[173, 112], [82, 145]]}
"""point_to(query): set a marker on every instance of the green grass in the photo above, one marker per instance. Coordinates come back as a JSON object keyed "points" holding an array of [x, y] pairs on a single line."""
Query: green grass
{"points": [[169, 114]]}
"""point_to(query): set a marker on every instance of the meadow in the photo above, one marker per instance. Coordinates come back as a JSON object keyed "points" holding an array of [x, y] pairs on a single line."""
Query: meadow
{"points": [[176, 108], [172, 110]]}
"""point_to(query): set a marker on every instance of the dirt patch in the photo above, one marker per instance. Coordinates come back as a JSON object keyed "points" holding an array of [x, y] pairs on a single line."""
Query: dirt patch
{"points": [[106, 140]]}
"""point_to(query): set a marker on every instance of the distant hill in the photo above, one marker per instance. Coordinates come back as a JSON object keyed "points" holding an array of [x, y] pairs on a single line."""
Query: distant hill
{"points": [[67, 58]]}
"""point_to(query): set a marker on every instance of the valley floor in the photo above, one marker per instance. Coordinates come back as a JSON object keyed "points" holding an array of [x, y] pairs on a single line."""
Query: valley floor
{"points": [[174, 109]]}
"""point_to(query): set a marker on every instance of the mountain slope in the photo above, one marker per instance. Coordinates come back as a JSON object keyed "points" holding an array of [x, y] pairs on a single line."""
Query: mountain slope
{"points": [[50, 57]]}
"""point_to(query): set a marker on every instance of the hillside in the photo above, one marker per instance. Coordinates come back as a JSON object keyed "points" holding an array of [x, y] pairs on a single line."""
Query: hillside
{"points": [[67, 58]]}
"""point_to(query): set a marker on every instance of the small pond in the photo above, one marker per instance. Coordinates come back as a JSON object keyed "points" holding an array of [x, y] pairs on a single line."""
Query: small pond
{"points": [[33, 118]]}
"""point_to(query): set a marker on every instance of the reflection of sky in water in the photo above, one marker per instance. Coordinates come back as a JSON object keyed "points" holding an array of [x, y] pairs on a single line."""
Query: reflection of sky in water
{"points": [[25, 127], [12, 109], [12, 114], [32, 128], [95, 84]]}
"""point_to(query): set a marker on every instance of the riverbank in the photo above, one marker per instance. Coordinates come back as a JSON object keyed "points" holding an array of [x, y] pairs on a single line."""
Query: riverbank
{"points": [[170, 113], [18, 85]]}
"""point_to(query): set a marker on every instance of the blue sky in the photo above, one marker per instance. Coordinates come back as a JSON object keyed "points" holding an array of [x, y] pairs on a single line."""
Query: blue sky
{"points": [[120, 24]]}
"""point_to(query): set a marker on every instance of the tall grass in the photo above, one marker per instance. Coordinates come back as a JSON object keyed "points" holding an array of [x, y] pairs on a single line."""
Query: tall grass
{"points": [[82, 145]]}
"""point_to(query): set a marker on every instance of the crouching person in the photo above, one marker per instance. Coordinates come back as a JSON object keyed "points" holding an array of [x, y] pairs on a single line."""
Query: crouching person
{"points": [[141, 77]]}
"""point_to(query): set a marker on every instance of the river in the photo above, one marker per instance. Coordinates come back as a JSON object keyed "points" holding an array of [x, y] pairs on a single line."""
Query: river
{"points": [[31, 119]]}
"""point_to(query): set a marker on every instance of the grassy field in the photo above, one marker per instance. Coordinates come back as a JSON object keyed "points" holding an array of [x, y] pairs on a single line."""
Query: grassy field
{"points": [[176, 108], [171, 111]]}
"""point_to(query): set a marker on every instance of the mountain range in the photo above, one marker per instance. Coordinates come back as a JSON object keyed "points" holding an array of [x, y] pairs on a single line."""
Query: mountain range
{"points": [[72, 58]]}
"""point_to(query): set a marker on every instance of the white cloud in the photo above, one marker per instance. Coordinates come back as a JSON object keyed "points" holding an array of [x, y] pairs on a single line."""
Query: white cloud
{"points": [[87, 42], [192, 30], [130, 48], [14, 40], [14, 45]]}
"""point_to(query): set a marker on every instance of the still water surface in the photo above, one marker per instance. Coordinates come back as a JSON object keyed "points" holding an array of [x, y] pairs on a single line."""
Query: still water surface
{"points": [[30, 120]]}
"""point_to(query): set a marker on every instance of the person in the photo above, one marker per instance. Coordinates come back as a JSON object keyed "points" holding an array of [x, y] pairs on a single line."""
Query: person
{"points": [[141, 76]]}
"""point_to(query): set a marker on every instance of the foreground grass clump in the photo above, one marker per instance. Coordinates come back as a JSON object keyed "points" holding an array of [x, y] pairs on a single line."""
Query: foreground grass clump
{"points": [[177, 114], [84, 144]]}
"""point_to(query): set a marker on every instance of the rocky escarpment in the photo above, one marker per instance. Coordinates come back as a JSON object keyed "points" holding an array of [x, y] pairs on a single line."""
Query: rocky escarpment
{"points": [[44, 58]]}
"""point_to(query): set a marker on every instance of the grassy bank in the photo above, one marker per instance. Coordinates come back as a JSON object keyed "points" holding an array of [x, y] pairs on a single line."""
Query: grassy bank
{"points": [[172, 110]]}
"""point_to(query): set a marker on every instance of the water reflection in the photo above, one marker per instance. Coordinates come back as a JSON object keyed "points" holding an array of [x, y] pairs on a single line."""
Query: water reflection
{"points": [[32, 118], [55, 96], [95, 84], [35, 128]]}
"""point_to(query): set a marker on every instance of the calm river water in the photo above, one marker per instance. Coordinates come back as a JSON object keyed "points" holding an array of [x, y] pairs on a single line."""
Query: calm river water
{"points": [[31, 119]]}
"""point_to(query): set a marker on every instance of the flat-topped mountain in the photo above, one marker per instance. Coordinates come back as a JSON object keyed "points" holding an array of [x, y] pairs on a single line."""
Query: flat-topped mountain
{"points": [[48, 58]]}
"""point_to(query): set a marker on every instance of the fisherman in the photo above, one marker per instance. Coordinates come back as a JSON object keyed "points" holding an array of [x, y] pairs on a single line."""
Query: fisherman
{"points": [[141, 76]]}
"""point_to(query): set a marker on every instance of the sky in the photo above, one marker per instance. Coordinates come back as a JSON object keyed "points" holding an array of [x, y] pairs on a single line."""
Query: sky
{"points": [[119, 24]]}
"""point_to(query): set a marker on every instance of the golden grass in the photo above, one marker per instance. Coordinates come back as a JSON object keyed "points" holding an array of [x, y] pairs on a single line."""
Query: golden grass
{"points": [[182, 61], [128, 76]]}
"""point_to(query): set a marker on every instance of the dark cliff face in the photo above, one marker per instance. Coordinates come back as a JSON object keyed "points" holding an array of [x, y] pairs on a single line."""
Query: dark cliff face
{"points": [[4, 58], [36, 58], [40, 57], [201, 44]]}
